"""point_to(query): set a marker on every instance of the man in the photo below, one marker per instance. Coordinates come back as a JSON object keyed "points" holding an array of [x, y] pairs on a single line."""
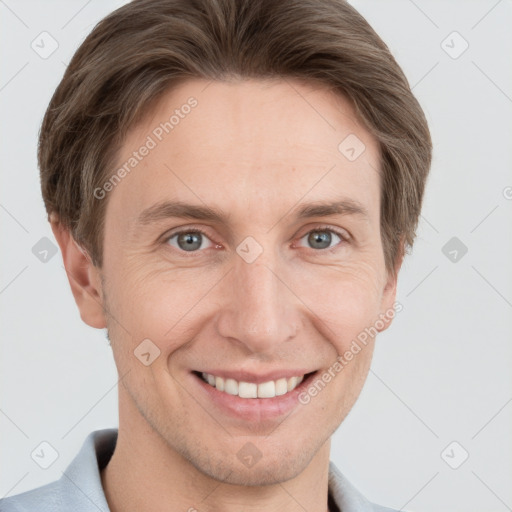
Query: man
{"points": [[233, 185]]}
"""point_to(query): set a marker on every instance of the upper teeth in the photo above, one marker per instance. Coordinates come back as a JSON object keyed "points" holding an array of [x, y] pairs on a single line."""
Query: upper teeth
{"points": [[268, 389]]}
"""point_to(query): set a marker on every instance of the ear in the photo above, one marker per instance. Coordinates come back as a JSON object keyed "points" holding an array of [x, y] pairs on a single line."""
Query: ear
{"points": [[387, 312], [83, 276]]}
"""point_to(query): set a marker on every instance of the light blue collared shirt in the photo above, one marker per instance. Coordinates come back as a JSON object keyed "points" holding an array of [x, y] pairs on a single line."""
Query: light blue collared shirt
{"points": [[79, 488]]}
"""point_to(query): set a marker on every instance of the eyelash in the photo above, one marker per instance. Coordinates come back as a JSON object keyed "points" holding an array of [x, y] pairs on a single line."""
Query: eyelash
{"points": [[343, 236]]}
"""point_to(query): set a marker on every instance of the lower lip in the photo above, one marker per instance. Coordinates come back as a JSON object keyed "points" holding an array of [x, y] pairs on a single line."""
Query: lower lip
{"points": [[253, 409]]}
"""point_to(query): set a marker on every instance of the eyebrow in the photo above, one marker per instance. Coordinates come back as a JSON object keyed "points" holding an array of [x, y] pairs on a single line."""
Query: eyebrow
{"points": [[179, 209]]}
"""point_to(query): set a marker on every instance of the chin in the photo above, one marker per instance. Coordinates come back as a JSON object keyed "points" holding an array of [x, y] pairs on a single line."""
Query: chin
{"points": [[278, 467]]}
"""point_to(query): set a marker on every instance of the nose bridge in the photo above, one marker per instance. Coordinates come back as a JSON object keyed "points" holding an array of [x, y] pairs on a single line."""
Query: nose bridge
{"points": [[259, 312]]}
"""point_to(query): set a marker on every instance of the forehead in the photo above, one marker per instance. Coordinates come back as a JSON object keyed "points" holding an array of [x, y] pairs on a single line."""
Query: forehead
{"points": [[247, 143]]}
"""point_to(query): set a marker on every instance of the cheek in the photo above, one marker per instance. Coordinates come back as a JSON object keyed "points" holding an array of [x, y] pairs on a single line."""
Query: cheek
{"points": [[160, 304], [168, 305], [344, 301]]}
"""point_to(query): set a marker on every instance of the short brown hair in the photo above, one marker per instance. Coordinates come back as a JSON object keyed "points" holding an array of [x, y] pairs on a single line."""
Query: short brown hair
{"points": [[146, 47]]}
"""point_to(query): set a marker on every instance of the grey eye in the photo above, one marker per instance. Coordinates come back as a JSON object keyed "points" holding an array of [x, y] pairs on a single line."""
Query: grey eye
{"points": [[321, 238], [188, 240]]}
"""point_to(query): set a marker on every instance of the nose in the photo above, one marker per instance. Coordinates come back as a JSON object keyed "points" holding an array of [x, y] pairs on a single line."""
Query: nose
{"points": [[259, 310]]}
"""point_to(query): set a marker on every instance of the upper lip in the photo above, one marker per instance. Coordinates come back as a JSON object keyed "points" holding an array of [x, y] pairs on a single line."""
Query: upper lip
{"points": [[257, 378]]}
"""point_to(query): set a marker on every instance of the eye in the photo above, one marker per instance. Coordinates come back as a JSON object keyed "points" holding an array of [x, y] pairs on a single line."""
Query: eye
{"points": [[193, 240], [322, 238], [189, 240]]}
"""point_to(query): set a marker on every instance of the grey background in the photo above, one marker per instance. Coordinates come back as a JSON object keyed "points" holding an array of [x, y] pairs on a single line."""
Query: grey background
{"points": [[440, 374]]}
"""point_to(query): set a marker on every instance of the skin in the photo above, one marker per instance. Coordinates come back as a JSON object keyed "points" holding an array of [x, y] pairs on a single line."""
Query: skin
{"points": [[256, 150]]}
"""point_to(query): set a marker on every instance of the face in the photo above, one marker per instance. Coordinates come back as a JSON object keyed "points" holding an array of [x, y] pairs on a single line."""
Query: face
{"points": [[220, 251]]}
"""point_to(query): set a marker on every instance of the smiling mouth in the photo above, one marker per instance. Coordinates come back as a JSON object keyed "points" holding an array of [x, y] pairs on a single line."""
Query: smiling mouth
{"points": [[269, 389]]}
